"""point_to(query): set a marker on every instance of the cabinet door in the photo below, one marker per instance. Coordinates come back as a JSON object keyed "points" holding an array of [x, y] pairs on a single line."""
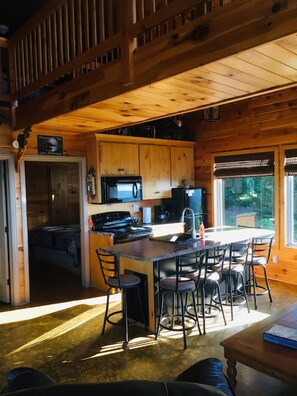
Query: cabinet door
{"points": [[182, 166], [118, 158], [155, 171]]}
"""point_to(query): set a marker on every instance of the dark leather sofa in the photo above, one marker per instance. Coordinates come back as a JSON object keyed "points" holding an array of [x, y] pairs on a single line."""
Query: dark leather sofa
{"points": [[204, 378]]}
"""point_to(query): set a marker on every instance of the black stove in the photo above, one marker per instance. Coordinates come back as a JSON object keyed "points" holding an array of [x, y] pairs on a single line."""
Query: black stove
{"points": [[121, 224]]}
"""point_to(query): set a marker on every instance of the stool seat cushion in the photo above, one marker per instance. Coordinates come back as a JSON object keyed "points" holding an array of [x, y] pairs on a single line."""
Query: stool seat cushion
{"points": [[259, 261], [235, 268], [126, 280], [183, 286]]}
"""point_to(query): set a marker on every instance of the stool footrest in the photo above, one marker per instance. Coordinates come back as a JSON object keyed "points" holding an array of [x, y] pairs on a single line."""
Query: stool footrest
{"points": [[119, 322], [176, 320], [258, 293]]}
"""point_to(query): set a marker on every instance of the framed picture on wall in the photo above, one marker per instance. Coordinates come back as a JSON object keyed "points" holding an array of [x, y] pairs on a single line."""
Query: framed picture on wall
{"points": [[50, 145]]}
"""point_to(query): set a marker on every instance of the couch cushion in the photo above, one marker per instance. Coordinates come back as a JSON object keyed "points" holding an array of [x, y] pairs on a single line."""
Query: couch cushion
{"points": [[208, 371], [123, 388]]}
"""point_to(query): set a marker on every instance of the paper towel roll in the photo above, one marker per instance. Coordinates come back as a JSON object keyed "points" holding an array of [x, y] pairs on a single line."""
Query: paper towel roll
{"points": [[147, 215]]}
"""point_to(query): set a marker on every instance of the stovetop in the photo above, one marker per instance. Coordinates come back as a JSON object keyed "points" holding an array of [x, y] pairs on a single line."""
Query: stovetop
{"points": [[121, 224]]}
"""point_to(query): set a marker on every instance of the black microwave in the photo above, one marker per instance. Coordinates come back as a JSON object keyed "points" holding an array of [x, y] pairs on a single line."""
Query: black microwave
{"points": [[117, 189]]}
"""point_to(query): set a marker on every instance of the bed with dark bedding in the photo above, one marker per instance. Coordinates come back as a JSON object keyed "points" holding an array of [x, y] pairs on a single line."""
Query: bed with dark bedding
{"points": [[57, 245]]}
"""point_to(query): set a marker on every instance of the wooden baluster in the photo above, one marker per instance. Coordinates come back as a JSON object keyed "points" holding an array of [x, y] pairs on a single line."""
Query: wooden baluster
{"points": [[139, 16], [109, 19], [128, 13], [44, 47], [72, 29], [79, 28], [26, 50], [55, 41], [101, 21], [39, 51], [30, 57], [65, 13], [86, 25], [35, 52], [49, 44], [13, 70], [60, 37], [93, 19]]}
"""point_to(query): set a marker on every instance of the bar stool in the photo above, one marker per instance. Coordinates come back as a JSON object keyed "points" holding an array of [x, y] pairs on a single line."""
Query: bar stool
{"points": [[179, 286], [233, 272], [259, 257], [110, 269], [210, 273]]}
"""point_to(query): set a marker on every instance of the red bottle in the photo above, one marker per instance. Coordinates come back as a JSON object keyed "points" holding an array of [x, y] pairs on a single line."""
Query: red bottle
{"points": [[201, 231]]}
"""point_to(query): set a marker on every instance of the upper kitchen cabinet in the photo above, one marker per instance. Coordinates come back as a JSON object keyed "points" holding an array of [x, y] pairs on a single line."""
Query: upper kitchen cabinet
{"points": [[182, 166], [155, 171], [118, 158], [161, 163]]}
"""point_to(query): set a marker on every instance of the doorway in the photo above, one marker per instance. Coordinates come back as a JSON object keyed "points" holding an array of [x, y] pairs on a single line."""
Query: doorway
{"points": [[4, 251], [9, 271], [55, 227]]}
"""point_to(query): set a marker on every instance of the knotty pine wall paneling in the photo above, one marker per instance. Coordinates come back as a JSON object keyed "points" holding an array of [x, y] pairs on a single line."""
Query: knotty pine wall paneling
{"points": [[258, 123]]}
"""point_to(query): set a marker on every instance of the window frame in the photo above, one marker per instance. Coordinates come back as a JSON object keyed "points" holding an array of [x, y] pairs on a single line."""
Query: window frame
{"points": [[289, 212], [217, 198], [288, 199]]}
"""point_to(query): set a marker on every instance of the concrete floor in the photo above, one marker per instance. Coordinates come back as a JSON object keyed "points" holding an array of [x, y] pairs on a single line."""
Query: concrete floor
{"points": [[64, 340]]}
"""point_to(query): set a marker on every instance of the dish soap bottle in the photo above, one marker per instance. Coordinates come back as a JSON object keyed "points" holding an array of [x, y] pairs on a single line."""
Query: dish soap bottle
{"points": [[201, 230]]}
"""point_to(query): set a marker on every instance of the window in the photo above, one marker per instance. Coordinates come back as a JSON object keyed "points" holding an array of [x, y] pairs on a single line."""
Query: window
{"points": [[291, 195], [245, 190]]}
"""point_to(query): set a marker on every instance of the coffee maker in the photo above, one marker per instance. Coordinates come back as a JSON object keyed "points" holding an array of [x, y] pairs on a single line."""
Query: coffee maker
{"points": [[161, 213]]}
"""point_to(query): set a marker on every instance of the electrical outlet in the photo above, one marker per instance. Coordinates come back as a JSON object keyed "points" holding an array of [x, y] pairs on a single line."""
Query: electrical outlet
{"points": [[275, 259], [135, 208]]}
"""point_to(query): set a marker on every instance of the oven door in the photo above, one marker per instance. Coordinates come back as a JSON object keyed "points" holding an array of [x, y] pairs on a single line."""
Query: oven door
{"points": [[116, 190]]}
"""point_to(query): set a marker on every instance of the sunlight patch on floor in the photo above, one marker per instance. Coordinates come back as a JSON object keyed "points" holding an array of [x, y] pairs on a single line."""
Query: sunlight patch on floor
{"points": [[217, 324], [118, 347], [64, 328], [35, 312], [241, 318]]}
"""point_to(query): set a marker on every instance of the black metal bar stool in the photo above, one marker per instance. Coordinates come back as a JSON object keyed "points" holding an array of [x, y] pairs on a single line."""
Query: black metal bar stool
{"points": [[179, 286], [110, 269], [259, 257], [233, 272], [210, 274]]}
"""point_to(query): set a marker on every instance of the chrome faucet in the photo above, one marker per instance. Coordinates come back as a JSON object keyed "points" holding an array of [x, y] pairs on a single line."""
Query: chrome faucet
{"points": [[193, 230]]}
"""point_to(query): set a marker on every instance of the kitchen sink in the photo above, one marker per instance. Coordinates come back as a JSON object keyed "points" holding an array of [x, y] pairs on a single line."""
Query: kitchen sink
{"points": [[175, 238]]}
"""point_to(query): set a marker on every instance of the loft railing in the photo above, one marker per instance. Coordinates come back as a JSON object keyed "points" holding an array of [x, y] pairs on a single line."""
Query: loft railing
{"points": [[70, 38]]}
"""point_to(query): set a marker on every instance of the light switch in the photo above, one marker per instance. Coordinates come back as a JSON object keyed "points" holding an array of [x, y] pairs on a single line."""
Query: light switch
{"points": [[135, 208]]}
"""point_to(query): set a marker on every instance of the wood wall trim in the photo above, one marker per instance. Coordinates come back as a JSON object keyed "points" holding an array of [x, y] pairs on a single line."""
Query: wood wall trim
{"points": [[134, 139]]}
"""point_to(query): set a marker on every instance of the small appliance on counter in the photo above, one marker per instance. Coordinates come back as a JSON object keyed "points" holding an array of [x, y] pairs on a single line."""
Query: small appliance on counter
{"points": [[161, 214], [147, 215]]}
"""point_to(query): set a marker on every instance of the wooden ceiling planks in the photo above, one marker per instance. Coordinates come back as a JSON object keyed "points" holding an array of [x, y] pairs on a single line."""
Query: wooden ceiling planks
{"points": [[266, 67]]}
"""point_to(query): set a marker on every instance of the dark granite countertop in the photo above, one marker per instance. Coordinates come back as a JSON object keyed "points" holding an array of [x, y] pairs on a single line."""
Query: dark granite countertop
{"points": [[148, 250]]}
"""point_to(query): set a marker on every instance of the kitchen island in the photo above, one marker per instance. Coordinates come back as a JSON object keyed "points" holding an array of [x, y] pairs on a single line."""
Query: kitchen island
{"points": [[143, 257], [146, 257]]}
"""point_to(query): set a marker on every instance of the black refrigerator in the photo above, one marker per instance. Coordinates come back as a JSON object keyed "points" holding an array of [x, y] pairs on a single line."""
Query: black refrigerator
{"points": [[194, 198]]}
